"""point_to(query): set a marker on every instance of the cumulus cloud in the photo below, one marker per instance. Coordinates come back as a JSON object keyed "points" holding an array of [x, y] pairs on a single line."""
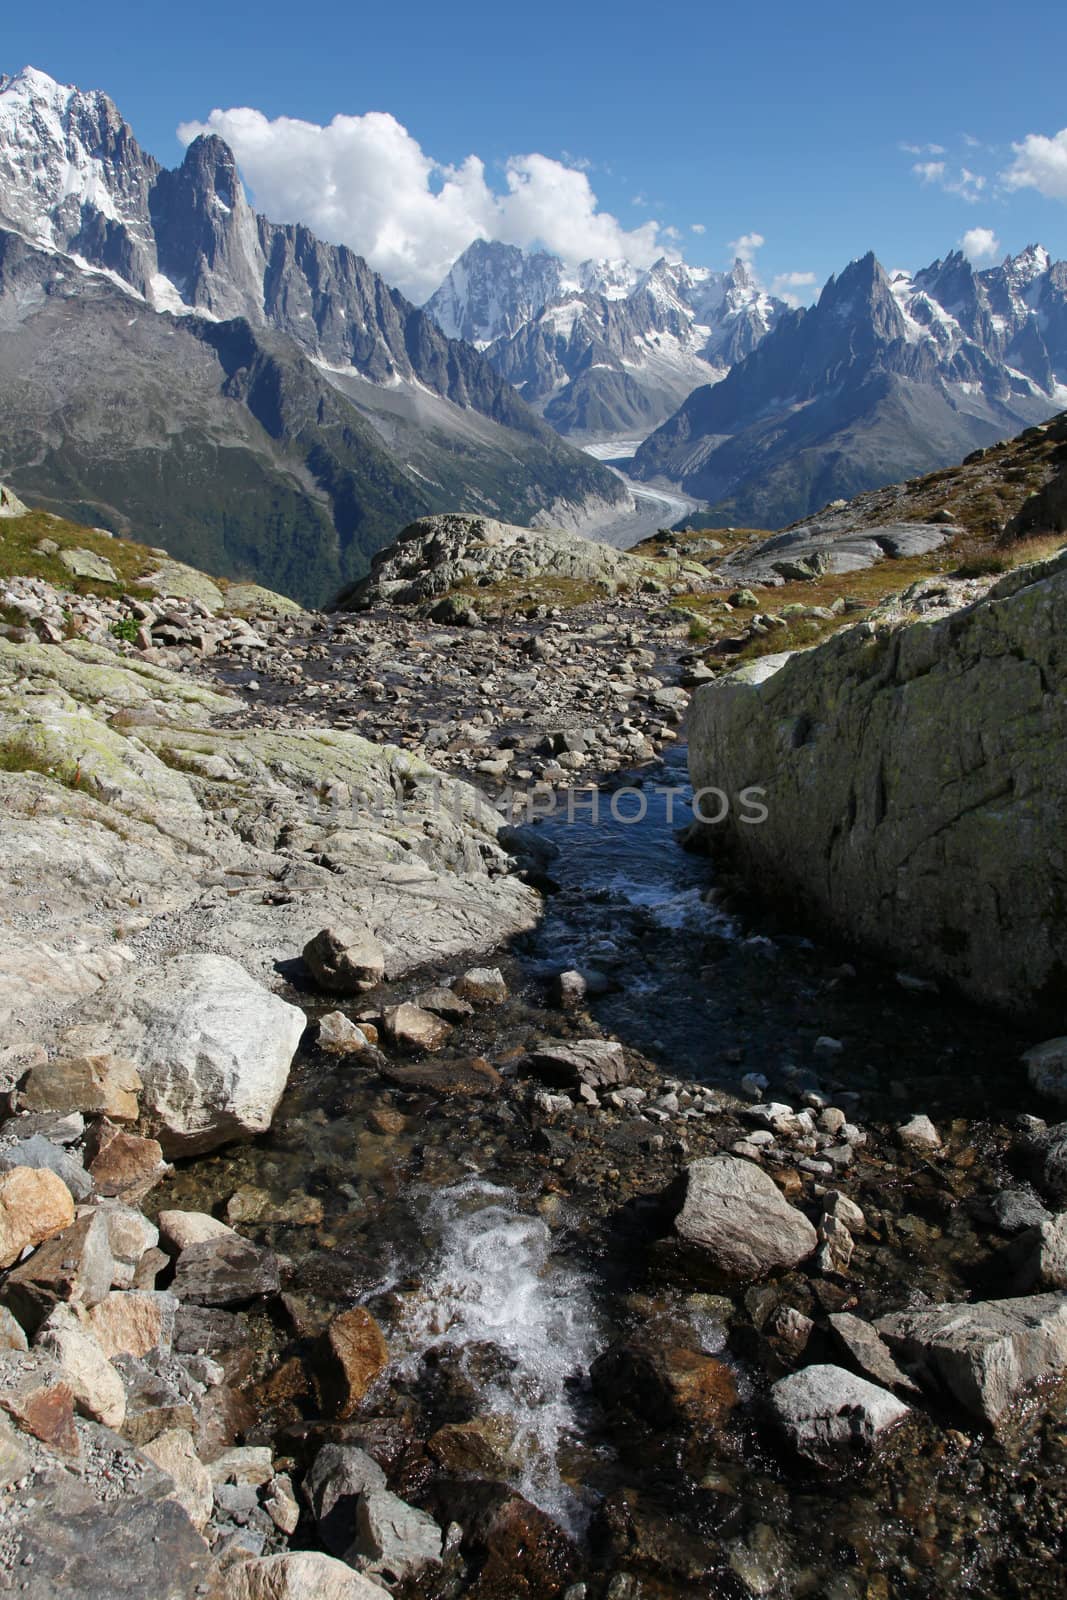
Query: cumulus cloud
{"points": [[366, 182], [697, 227], [980, 244], [1040, 163], [785, 285], [929, 171], [745, 248]]}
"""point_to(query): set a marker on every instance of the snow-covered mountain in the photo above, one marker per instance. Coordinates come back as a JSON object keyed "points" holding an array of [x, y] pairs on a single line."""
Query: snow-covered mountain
{"points": [[94, 234], [603, 348], [883, 378]]}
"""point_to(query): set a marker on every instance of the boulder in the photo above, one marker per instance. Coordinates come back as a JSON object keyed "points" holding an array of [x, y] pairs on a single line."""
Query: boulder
{"points": [[297, 1575], [471, 1078], [37, 1151], [339, 1475], [134, 1322], [174, 1452], [354, 1353], [130, 1236], [392, 1538], [737, 1216], [986, 1354], [224, 1271], [832, 1416], [597, 1063], [34, 1205], [413, 1030], [213, 1047], [1046, 1068], [345, 960], [124, 1165], [87, 564], [74, 1266], [36, 1395], [100, 1085], [1038, 1256], [96, 1385], [181, 1229], [918, 761]]}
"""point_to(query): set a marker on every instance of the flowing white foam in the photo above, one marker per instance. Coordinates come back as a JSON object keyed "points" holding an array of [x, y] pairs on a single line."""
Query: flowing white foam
{"points": [[495, 1280]]}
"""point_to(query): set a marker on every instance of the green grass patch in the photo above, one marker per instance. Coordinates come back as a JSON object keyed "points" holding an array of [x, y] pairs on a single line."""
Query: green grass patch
{"points": [[19, 754]]}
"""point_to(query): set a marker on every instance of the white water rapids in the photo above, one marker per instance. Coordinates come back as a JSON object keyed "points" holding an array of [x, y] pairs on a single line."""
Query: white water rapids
{"points": [[495, 1280]]}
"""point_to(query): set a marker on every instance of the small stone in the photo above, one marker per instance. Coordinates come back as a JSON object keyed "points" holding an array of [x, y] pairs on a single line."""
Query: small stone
{"points": [[345, 960], [34, 1393], [281, 1504], [736, 1214], [355, 1353], [836, 1246], [482, 986], [130, 1235], [341, 1037], [867, 1351], [919, 1134], [836, 1204], [413, 1030], [40, 1153], [1046, 1068], [826, 1046], [754, 1085], [600, 1063], [34, 1205], [250, 1465], [12, 1334], [444, 1002]]}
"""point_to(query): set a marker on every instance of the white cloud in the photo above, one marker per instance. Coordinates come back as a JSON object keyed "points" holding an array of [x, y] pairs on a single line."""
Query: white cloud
{"points": [[697, 227], [745, 248], [970, 186], [980, 244], [929, 171], [366, 182], [1040, 163], [785, 285], [923, 149]]}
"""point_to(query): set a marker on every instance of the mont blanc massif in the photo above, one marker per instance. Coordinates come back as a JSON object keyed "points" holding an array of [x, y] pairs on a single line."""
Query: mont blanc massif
{"points": [[533, 911]]}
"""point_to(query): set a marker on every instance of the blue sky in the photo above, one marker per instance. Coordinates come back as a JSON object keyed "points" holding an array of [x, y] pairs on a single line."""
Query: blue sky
{"points": [[788, 123]]}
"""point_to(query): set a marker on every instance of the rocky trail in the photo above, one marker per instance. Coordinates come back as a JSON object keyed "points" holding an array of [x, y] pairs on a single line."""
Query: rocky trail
{"points": [[420, 1173]]}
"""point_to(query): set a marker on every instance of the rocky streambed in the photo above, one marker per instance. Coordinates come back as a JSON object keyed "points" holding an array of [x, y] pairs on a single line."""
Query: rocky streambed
{"points": [[665, 1252]]}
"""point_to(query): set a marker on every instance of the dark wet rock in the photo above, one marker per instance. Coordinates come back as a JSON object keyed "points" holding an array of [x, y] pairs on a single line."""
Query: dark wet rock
{"points": [[1016, 1209], [224, 1271], [479, 1448], [1046, 1067], [153, 1405], [984, 1355], [354, 1352], [517, 1551], [207, 1330], [470, 1078], [733, 1213], [666, 1384], [832, 1416]]}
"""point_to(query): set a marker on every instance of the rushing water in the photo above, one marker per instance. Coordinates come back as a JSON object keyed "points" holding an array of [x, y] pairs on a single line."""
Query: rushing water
{"points": [[495, 1280]]}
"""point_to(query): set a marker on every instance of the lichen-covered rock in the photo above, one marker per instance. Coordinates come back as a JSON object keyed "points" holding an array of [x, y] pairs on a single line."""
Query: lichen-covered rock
{"points": [[439, 553], [913, 786]]}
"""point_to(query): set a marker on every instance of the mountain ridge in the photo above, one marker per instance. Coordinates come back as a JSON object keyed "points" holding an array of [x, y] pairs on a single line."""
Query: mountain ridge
{"points": [[425, 423], [881, 378]]}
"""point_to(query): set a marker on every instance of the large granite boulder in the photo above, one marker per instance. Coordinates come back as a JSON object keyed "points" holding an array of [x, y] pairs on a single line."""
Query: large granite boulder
{"points": [[912, 777], [212, 1046], [984, 1355]]}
